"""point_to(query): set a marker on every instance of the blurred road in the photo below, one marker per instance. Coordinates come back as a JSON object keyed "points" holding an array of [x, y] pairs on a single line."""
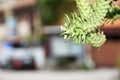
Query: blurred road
{"points": [[100, 74]]}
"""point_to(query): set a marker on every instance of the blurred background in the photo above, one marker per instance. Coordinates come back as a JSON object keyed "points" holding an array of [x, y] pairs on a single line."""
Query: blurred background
{"points": [[30, 40]]}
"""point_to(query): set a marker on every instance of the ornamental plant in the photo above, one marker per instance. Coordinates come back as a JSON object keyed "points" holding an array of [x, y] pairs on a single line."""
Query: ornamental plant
{"points": [[84, 26]]}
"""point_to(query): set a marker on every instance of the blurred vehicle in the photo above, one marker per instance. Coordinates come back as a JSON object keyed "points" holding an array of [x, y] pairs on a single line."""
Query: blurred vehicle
{"points": [[21, 59], [61, 54], [66, 54], [16, 58]]}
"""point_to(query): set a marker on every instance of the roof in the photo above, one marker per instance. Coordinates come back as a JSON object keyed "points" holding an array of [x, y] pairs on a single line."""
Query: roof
{"points": [[115, 25], [112, 30], [55, 29], [13, 4]]}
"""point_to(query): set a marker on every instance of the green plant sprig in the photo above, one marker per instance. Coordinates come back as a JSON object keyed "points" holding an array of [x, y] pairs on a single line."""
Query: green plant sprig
{"points": [[84, 26]]}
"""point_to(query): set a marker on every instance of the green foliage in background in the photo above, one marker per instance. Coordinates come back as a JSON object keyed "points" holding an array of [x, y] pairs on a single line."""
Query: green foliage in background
{"points": [[84, 26], [52, 10]]}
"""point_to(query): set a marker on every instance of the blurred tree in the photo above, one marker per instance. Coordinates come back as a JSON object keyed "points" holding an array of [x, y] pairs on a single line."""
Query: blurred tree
{"points": [[51, 11]]}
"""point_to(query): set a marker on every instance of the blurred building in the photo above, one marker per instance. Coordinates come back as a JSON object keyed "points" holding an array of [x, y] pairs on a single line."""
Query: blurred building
{"points": [[109, 54], [16, 17]]}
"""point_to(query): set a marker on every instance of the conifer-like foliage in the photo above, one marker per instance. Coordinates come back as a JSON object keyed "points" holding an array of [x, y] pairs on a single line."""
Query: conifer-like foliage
{"points": [[84, 26]]}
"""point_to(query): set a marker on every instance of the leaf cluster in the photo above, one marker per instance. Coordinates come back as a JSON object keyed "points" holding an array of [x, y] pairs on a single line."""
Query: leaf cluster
{"points": [[84, 26]]}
